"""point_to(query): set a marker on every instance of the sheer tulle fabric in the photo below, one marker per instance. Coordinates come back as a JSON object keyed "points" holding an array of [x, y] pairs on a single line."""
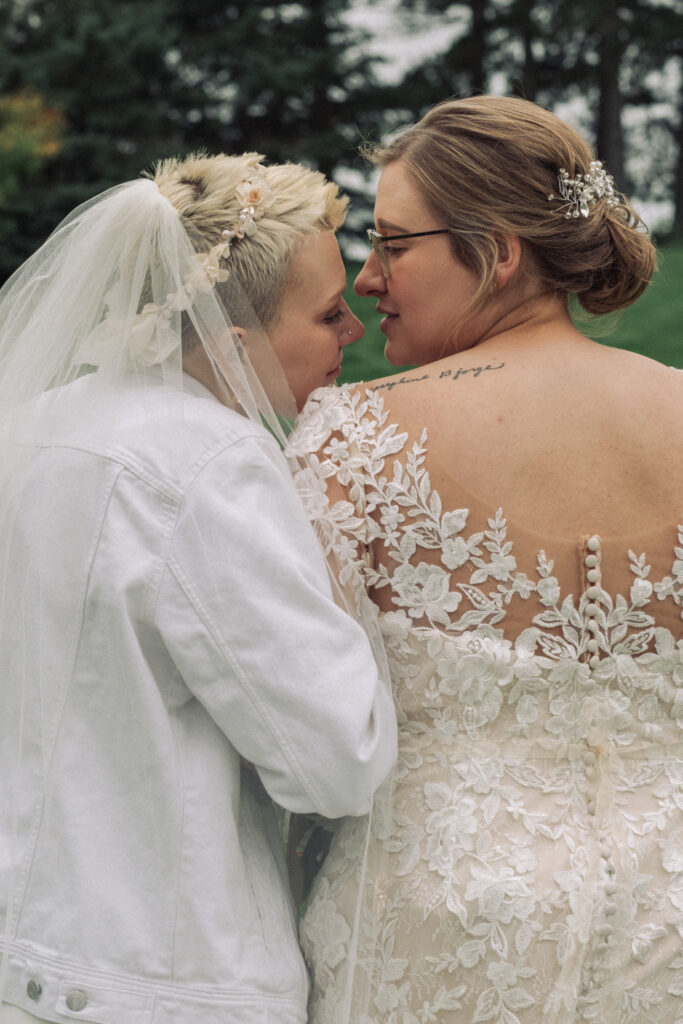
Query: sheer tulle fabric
{"points": [[92, 330]]}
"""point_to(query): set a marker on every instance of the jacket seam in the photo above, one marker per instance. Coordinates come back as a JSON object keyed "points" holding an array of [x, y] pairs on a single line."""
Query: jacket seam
{"points": [[160, 484], [25, 874], [247, 687], [135, 984]]}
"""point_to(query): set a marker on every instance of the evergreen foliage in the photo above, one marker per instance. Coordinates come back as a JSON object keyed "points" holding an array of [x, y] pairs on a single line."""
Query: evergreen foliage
{"points": [[103, 65], [137, 80], [131, 81], [551, 51]]}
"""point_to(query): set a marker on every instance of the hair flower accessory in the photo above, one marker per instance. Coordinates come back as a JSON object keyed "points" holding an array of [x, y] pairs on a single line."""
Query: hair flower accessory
{"points": [[252, 194], [150, 337], [209, 272], [583, 191]]}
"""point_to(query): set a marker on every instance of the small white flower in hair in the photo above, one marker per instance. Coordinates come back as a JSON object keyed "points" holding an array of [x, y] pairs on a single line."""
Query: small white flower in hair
{"points": [[211, 266], [253, 194]]}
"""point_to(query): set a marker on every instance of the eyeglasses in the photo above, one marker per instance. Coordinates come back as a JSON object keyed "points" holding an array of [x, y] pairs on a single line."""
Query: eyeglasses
{"points": [[378, 242]]}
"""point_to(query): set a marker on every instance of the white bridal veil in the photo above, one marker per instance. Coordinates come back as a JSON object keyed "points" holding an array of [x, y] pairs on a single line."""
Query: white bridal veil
{"points": [[93, 329]]}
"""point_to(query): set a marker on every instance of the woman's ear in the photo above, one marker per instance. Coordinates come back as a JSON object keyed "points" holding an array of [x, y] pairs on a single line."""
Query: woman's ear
{"points": [[509, 259]]}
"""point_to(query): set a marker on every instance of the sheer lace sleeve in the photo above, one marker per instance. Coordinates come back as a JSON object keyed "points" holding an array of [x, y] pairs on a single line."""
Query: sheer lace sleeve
{"points": [[342, 438]]}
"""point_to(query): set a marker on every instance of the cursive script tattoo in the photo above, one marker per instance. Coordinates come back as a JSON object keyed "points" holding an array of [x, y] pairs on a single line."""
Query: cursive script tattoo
{"points": [[403, 380], [474, 371]]}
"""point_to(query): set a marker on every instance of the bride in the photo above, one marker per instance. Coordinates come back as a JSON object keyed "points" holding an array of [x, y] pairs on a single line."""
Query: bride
{"points": [[514, 507], [165, 612]]}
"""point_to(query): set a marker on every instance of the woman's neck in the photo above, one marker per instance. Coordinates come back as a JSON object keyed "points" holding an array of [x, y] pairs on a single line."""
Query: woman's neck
{"points": [[531, 319]]}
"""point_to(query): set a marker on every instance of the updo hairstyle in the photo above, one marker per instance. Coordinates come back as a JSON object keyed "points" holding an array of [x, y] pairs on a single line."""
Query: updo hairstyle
{"points": [[486, 167], [205, 190]]}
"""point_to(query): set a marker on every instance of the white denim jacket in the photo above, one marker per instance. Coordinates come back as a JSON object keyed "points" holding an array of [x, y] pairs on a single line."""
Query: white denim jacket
{"points": [[186, 620]]}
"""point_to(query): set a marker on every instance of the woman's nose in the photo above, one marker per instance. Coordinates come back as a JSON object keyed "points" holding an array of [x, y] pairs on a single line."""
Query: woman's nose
{"points": [[353, 329], [371, 279]]}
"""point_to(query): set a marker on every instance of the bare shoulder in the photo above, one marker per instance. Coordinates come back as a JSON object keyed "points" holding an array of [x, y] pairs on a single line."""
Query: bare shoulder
{"points": [[438, 395], [637, 361], [466, 365], [639, 377], [396, 380]]}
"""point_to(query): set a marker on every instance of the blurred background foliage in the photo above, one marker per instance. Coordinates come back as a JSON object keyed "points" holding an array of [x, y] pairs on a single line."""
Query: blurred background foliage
{"points": [[94, 91]]}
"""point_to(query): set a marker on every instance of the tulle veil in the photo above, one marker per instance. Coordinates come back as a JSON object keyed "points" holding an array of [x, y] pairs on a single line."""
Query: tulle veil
{"points": [[106, 304]]}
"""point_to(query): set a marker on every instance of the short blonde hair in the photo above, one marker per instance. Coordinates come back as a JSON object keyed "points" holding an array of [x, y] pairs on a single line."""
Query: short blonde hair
{"points": [[203, 189], [487, 165]]}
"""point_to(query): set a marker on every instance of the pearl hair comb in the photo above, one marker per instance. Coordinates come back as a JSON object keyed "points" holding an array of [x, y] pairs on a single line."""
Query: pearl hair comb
{"points": [[580, 193]]}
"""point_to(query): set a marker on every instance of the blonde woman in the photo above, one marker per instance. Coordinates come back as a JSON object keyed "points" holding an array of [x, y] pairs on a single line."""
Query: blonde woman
{"points": [[165, 612], [514, 504]]}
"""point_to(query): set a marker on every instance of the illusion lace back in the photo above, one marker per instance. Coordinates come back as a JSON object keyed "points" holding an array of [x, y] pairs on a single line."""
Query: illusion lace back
{"points": [[525, 864]]}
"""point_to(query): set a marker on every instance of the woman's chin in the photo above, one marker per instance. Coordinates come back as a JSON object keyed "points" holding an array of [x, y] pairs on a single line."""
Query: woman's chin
{"points": [[392, 355]]}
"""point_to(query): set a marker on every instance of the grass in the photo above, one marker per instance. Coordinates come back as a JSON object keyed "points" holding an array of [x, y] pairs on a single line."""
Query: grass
{"points": [[653, 326]]}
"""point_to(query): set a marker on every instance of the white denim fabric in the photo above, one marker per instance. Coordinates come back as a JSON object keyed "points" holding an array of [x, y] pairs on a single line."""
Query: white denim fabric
{"points": [[186, 621], [13, 1015]]}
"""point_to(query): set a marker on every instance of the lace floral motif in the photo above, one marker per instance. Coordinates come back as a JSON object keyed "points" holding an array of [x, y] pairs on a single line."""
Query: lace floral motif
{"points": [[403, 511], [525, 862]]}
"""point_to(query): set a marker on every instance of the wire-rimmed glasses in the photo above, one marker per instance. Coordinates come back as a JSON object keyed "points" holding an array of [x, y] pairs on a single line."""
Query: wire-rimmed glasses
{"points": [[378, 242]]}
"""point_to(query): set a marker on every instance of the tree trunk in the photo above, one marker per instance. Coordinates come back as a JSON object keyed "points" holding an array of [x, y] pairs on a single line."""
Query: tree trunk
{"points": [[678, 182], [529, 82], [610, 139], [478, 45]]}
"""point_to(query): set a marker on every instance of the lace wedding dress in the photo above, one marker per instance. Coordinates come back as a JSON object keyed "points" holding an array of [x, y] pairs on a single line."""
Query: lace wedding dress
{"points": [[525, 863]]}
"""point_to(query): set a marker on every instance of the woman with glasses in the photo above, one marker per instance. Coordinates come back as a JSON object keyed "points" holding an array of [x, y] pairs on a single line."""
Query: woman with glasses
{"points": [[514, 505]]}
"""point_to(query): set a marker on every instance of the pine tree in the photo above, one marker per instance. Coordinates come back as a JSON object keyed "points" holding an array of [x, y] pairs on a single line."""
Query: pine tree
{"points": [[281, 78], [137, 80], [103, 66]]}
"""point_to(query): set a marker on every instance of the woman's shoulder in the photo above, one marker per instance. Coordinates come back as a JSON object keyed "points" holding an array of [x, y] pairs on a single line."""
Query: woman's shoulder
{"points": [[329, 407], [355, 412]]}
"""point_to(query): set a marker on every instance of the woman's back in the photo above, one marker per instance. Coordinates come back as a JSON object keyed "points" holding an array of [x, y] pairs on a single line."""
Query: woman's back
{"points": [[569, 440], [516, 521], [508, 418]]}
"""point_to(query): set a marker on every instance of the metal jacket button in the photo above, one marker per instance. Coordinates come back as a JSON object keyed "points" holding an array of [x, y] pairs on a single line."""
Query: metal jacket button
{"points": [[33, 989], [76, 1000]]}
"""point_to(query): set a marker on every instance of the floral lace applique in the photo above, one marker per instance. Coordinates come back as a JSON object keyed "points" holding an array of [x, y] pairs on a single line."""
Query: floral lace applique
{"points": [[524, 862], [355, 444]]}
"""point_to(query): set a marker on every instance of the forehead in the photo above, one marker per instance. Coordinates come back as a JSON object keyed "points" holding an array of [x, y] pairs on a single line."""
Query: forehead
{"points": [[317, 270], [399, 204]]}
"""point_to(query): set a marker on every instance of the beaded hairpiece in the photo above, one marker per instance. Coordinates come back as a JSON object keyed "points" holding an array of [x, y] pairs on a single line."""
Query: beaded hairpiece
{"points": [[581, 192], [150, 337]]}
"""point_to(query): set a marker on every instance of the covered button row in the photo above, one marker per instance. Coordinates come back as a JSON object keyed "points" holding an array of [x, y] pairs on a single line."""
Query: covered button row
{"points": [[610, 889], [592, 564]]}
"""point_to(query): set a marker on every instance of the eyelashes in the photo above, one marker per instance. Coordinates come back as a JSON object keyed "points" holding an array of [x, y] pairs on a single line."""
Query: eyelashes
{"points": [[334, 318]]}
